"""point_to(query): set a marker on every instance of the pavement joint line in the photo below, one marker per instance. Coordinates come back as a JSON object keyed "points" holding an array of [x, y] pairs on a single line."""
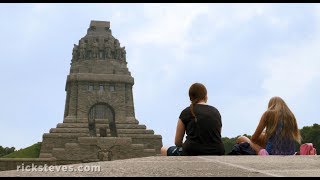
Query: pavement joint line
{"points": [[241, 167], [294, 170], [162, 161]]}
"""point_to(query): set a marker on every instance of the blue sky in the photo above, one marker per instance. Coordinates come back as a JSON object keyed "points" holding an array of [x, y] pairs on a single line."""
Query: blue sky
{"points": [[243, 53]]}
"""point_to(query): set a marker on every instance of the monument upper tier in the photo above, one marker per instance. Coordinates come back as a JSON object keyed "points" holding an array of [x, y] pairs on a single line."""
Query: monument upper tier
{"points": [[98, 44], [99, 28]]}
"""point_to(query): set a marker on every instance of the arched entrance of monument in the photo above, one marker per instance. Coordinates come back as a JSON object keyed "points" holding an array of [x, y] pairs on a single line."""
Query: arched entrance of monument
{"points": [[102, 112]]}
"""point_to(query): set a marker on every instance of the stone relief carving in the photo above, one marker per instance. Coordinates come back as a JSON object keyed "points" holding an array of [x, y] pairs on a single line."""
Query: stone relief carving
{"points": [[108, 29], [95, 49], [92, 28], [123, 53], [75, 52], [106, 153], [117, 53], [82, 49], [109, 48], [116, 43]]}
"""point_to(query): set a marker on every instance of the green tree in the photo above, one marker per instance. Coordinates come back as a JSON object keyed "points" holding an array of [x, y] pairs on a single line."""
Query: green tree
{"points": [[230, 142], [6, 150], [311, 134]]}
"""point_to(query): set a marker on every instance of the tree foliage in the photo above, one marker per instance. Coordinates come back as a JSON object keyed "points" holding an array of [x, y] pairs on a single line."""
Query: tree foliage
{"points": [[311, 134], [6, 150]]}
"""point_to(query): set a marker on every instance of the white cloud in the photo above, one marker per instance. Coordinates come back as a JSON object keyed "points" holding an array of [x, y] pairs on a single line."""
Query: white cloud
{"points": [[245, 12], [294, 74], [168, 25], [290, 73], [242, 114]]}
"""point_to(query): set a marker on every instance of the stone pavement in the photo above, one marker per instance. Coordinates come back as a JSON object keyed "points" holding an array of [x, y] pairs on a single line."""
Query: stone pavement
{"points": [[193, 166]]}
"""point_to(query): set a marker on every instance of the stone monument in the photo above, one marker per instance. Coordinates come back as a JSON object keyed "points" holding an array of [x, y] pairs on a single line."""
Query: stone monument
{"points": [[99, 120]]}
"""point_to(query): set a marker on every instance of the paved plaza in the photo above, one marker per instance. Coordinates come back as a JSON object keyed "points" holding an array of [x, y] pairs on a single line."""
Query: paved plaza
{"points": [[160, 166]]}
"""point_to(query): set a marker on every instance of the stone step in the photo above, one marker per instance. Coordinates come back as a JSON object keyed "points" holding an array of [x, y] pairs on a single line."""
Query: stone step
{"points": [[148, 136], [123, 126], [75, 120], [133, 131], [86, 130], [128, 126], [71, 145], [131, 126], [129, 120], [74, 135], [45, 155], [126, 134], [101, 121], [149, 150], [69, 130], [65, 135], [72, 125], [137, 146], [85, 120], [58, 150], [87, 140], [85, 125], [95, 140]]}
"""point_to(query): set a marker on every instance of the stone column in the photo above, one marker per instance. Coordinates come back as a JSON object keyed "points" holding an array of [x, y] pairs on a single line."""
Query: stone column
{"points": [[66, 108], [129, 100], [73, 99]]}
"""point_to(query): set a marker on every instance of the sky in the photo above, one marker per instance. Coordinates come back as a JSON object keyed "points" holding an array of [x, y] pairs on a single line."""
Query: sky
{"points": [[243, 53]]}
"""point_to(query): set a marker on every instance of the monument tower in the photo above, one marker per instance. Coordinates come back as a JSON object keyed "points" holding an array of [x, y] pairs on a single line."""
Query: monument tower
{"points": [[99, 120]]}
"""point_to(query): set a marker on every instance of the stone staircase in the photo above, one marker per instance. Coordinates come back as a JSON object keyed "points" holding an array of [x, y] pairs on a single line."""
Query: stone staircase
{"points": [[72, 136], [89, 149]]}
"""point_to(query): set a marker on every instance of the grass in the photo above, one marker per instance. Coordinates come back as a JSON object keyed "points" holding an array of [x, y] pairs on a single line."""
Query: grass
{"points": [[32, 151]]}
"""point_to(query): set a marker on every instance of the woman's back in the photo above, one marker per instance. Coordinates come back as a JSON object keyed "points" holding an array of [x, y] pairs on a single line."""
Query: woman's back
{"points": [[204, 134], [280, 145]]}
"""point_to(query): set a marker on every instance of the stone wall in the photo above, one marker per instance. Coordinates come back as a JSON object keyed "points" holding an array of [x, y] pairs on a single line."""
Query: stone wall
{"points": [[12, 163]]}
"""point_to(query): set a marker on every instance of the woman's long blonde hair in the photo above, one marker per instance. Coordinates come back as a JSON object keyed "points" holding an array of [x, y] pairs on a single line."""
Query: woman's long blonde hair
{"points": [[278, 110]]}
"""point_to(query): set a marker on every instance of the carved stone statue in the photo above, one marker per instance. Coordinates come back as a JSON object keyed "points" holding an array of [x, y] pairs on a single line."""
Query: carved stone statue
{"points": [[75, 52], [107, 49], [104, 155], [123, 54], [82, 49], [111, 41], [95, 49], [103, 132], [92, 28], [116, 43], [108, 29], [117, 53]]}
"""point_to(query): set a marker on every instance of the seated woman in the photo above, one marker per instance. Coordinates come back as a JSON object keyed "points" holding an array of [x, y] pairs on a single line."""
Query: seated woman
{"points": [[277, 130], [202, 125]]}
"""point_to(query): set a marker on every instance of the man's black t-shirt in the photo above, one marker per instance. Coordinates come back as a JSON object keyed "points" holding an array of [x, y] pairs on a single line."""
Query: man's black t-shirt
{"points": [[203, 136]]}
